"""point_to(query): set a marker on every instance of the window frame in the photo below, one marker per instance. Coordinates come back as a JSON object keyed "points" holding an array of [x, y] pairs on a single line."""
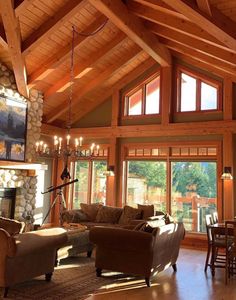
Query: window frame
{"points": [[200, 78], [141, 86]]}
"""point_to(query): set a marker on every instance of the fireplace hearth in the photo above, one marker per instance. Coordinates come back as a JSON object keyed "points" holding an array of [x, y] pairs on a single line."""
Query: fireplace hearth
{"points": [[7, 202]]}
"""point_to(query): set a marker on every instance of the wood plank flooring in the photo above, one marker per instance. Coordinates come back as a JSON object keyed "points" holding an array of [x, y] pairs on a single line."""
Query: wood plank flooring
{"points": [[189, 283]]}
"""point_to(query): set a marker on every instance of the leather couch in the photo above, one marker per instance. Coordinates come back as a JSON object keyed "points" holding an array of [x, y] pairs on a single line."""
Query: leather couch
{"points": [[26, 255], [145, 251]]}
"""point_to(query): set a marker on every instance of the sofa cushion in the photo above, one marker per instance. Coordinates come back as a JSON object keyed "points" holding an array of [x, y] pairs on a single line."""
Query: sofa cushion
{"points": [[150, 226], [108, 214], [129, 213], [90, 210], [11, 226], [147, 210]]}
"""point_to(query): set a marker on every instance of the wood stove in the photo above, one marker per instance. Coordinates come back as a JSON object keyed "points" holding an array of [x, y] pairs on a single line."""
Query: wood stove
{"points": [[7, 202]]}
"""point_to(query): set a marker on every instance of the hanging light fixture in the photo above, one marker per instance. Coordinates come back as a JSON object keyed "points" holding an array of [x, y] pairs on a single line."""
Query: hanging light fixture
{"points": [[65, 148]]}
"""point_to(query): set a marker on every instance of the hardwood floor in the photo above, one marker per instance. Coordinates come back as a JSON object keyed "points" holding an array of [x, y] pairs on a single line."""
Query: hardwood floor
{"points": [[189, 283]]}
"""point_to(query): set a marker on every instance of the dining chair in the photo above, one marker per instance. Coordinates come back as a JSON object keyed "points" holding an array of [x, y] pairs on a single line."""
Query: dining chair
{"points": [[230, 242], [215, 247], [215, 217]]}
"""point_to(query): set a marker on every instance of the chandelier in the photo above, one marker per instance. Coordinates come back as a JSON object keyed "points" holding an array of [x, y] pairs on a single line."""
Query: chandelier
{"points": [[65, 148]]}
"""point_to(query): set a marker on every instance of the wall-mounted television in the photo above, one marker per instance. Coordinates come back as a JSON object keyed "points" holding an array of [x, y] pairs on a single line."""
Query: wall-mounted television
{"points": [[13, 127]]}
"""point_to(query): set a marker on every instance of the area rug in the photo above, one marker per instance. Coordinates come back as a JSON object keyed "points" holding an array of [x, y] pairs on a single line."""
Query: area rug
{"points": [[70, 281]]}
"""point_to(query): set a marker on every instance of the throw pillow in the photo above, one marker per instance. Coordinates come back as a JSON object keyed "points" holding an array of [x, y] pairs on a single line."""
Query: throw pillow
{"points": [[147, 210], [74, 216], [90, 210], [11, 226], [129, 213], [108, 214]]}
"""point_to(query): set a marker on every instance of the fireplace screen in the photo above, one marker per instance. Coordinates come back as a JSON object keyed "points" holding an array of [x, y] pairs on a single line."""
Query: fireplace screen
{"points": [[7, 202]]}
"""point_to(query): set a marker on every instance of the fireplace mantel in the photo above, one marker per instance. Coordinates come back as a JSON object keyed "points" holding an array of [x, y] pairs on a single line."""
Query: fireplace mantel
{"points": [[31, 167]]}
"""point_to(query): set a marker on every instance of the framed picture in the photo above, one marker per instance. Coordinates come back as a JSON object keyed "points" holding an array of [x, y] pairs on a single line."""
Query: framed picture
{"points": [[13, 126]]}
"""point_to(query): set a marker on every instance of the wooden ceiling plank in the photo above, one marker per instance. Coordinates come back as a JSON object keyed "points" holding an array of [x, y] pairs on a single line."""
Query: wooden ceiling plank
{"points": [[83, 66], [12, 30], [53, 24], [220, 54], [204, 6], [218, 25], [21, 6], [63, 54], [82, 91], [183, 26], [135, 73], [133, 27]]}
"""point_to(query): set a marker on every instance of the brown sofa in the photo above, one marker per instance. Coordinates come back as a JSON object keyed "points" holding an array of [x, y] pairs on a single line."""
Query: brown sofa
{"points": [[92, 215], [145, 251], [27, 255]]}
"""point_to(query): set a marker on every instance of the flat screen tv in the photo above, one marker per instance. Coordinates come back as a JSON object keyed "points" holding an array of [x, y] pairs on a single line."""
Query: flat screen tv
{"points": [[13, 122]]}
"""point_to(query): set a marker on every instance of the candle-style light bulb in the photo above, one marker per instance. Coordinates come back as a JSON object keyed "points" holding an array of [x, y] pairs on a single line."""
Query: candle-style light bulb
{"points": [[80, 141], [68, 140], [37, 146]]}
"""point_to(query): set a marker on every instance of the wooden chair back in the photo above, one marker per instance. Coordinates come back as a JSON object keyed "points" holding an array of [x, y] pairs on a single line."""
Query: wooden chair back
{"points": [[215, 218]]}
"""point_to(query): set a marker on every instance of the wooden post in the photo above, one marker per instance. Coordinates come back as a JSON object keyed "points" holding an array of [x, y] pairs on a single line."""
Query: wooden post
{"points": [[227, 99], [166, 88], [228, 192]]}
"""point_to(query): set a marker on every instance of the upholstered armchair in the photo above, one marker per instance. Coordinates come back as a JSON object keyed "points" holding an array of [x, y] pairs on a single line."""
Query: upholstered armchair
{"points": [[27, 255], [137, 252]]}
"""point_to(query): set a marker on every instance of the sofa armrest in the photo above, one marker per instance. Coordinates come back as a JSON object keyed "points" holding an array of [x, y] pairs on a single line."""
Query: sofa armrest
{"points": [[118, 238], [7, 244]]}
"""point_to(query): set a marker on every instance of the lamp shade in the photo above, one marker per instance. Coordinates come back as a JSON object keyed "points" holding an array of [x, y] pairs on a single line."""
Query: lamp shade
{"points": [[227, 175]]}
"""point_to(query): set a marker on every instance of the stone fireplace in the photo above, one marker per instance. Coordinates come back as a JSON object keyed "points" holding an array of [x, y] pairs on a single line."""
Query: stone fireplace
{"points": [[21, 179]]}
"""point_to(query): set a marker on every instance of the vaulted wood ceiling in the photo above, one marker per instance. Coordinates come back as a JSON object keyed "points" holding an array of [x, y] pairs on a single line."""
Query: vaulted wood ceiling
{"points": [[115, 42]]}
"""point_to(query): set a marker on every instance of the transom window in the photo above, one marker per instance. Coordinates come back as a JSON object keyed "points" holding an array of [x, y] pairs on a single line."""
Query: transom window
{"points": [[196, 93], [145, 99]]}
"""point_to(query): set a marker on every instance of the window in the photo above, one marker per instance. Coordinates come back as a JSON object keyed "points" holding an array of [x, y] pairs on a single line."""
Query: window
{"points": [[182, 182], [144, 100], [197, 94], [91, 185]]}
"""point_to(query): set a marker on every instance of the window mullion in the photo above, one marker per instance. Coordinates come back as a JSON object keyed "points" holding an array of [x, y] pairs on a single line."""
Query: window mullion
{"points": [[198, 95], [90, 182], [144, 99]]}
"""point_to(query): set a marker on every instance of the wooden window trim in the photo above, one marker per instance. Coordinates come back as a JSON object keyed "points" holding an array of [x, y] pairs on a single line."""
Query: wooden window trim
{"points": [[200, 78], [131, 91]]}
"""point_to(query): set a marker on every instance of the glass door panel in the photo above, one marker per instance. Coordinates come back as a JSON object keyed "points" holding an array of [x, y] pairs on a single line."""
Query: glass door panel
{"points": [[81, 187], [99, 182], [193, 193]]}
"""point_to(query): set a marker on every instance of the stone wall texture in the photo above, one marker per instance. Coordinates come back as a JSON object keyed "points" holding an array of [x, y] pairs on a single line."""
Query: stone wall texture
{"points": [[26, 186]]}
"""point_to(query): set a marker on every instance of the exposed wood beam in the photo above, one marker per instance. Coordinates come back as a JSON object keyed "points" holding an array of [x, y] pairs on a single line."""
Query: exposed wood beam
{"points": [[80, 68], [218, 25], [3, 39], [53, 24], [220, 54], [204, 6], [133, 27], [12, 30], [63, 54], [201, 63], [81, 91], [135, 73], [177, 129], [183, 26], [221, 66], [158, 5], [227, 99]]}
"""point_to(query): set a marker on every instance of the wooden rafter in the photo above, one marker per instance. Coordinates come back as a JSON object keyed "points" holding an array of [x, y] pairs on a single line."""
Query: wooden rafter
{"points": [[218, 25], [183, 26], [85, 65], [158, 5], [53, 24], [132, 26], [12, 30], [220, 54], [118, 85], [221, 66], [80, 92], [63, 54], [21, 5], [204, 6]]}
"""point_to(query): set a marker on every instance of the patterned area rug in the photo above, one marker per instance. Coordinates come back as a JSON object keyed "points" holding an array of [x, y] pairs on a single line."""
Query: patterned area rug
{"points": [[75, 278]]}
